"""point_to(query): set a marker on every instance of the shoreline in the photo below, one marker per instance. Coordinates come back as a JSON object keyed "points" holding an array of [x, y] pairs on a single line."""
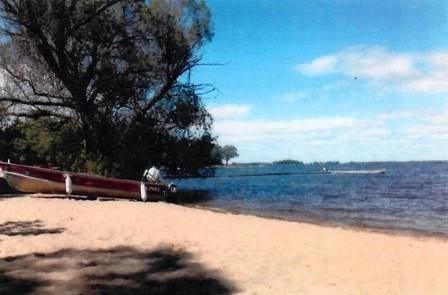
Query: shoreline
{"points": [[327, 224]]}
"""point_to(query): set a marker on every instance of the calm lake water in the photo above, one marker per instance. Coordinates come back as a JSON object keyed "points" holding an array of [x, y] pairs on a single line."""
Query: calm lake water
{"points": [[408, 197]]}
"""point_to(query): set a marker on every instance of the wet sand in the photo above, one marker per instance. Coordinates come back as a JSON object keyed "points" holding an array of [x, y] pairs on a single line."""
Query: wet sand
{"points": [[54, 245]]}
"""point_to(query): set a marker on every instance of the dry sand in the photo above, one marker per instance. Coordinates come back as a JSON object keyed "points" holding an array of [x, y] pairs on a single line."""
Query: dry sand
{"points": [[83, 247]]}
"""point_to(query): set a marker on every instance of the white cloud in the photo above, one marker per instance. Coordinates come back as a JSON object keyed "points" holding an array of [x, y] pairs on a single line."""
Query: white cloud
{"points": [[264, 131], [375, 64], [229, 111], [434, 127], [409, 72], [428, 131], [362, 62], [438, 60], [312, 139], [318, 66], [441, 118], [434, 83], [398, 115], [345, 138], [293, 96]]}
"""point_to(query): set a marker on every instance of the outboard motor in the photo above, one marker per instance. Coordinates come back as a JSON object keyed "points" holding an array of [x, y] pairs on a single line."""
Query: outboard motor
{"points": [[153, 175]]}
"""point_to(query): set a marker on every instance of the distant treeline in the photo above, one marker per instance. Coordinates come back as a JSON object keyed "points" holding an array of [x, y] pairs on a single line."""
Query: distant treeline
{"points": [[288, 162], [295, 162], [329, 163]]}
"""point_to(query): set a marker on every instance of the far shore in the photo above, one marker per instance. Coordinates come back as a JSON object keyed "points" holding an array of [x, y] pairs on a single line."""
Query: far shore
{"points": [[51, 245]]}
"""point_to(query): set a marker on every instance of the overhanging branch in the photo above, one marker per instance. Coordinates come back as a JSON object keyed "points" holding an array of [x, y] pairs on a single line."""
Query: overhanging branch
{"points": [[36, 114], [14, 101], [32, 86]]}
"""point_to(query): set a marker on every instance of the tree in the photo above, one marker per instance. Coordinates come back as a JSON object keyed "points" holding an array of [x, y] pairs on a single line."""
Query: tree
{"points": [[114, 71], [216, 154], [8, 137], [229, 152]]}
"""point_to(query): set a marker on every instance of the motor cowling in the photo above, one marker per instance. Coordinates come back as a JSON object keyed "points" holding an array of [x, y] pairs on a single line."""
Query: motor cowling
{"points": [[153, 175]]}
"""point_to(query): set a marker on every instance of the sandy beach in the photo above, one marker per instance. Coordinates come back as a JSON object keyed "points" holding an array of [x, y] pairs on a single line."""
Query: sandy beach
{"points": [[55, 245]]}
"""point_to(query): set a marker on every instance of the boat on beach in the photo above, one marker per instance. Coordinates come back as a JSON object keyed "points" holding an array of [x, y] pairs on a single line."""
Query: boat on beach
{"points": [[31, 179]]}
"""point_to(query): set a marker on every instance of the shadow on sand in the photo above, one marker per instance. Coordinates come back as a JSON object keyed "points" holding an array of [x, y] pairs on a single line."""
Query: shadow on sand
{"points": [[7, 192], [4, 197], [120, 270], [27, 228], [73, 197]]}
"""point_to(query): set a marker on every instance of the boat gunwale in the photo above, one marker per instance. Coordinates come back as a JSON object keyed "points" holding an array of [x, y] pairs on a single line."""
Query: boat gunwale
{"points": [[82, 179]]}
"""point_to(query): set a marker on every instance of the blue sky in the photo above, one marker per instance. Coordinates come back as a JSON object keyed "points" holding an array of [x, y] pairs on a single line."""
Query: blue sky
{"points": [[329, 80]]}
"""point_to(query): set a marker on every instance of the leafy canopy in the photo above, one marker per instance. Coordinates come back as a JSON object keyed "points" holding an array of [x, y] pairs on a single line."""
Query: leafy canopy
{"points": [[115, 73]]}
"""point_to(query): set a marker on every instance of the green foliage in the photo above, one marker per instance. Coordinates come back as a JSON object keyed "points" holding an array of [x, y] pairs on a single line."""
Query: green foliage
{"points": [[229, 152], [219, 153], [216, 154], [42, 142], [51, 143], [186, 157]]}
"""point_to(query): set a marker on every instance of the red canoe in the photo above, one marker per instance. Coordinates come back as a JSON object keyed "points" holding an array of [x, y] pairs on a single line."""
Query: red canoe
{"points": [[30, 179]]}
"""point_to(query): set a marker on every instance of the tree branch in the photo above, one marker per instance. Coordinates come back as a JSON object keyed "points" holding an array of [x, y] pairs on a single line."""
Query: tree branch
{"points": [[32, 102], [95, 14], [31, 84], [36, 114]]}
